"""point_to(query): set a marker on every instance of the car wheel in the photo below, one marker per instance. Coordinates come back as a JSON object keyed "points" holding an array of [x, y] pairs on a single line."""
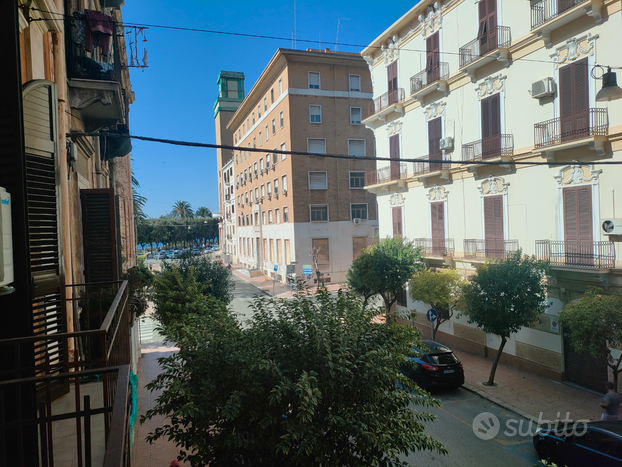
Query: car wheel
{"points": [[545, 450]]}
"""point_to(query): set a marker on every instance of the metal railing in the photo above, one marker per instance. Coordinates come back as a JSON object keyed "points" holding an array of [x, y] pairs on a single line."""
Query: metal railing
{"points": [[395, 171], [544, 11], [420, 168], [488, 148], [435, 246], [498, 37], [428, 76], [395, 96], [489, 248], [577, 254], [93, 64], [590, 122]]}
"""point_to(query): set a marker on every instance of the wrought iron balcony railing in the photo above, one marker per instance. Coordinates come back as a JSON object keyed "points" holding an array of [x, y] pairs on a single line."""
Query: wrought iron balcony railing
{"points": [[489, 248], [496, 38], [420, 168], [488, 148], [435, 246], [560, 130], [429, 76], [395, 96], [577, 254], [544, 11], [395, 171]]}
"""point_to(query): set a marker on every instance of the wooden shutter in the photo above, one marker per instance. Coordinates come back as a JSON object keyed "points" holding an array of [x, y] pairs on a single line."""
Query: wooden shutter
{"points": [[358, 244], [392, 76], [578, 214], [481, 8], [435, 133], [397, 221], [432, 56], [493, 224], [574, 100], [394, 154], [100, 235], [491, 126], [437, 214]]}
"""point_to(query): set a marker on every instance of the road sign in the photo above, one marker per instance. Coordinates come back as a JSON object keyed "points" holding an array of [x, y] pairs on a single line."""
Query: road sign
{"points": [[432, 315], [276, 267], [307, 269]]}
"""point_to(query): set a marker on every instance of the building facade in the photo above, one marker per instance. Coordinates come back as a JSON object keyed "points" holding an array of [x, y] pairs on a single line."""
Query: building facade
{"points": [[453, 82], [228, 241], [295, 210]]}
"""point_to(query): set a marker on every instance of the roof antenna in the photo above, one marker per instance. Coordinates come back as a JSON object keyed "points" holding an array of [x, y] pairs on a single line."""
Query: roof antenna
{"points": [[338, 26], [294, 33]]}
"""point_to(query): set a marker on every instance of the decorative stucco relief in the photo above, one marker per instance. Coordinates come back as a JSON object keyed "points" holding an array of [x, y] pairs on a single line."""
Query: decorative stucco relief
{"points": [[493, 186], [574, 48], [436, 109], [396, 199], [370, 64], [394, 128], [432, 20], [576, 174], [391, 51], [437, 193], [490, 85]]}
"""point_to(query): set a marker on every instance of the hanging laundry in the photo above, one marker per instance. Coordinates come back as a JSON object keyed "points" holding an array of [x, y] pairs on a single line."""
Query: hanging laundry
{"points": [[101, 26]]}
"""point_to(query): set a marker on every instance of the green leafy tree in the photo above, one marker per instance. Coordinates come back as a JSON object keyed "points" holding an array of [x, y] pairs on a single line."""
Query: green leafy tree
{"points": [[594, 323], [504, 296], [441, 290], [308, 381], [384, 269], [182, 210], [203, 213]]}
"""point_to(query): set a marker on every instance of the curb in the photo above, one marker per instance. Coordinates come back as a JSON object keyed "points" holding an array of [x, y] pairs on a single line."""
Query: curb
{"points": [[505, 405]]}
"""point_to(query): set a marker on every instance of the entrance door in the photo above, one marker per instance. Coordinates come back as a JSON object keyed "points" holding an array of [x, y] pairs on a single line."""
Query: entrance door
{"points": [[491, 127], [394, 154], [432, 58], [392, 82], [574, 101], [487, 33], [435, 133], [578, 235], [582, 368], [493, 222], [437, 215]]}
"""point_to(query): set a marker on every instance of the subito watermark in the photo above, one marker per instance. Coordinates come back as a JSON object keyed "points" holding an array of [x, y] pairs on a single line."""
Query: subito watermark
{"points": [[487, 426]]}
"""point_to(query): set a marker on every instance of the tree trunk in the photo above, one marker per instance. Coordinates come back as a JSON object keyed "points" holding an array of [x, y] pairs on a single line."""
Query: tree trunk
{"points": [[493, 370]]}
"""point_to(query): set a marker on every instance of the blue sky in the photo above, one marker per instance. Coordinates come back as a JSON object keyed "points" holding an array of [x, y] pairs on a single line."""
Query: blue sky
{"points": [[176, 94]]}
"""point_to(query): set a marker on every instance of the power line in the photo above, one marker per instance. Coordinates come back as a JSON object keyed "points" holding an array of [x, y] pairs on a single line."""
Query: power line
{"points": [[328, 156], [278, 38]]}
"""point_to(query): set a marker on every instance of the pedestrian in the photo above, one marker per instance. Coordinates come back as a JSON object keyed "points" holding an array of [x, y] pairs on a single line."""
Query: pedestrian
{"points": [[151, 266], [610, 403]]}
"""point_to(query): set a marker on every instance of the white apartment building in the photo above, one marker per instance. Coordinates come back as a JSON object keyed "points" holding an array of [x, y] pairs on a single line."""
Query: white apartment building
{"points": [[228, 240], [513, 83]]}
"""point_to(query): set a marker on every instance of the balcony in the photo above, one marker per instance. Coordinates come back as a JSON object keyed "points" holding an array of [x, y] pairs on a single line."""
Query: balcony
{"points": [[587, 128], [491, 46], [94, 414], [424, 170], [381, 108], [396, 172], [499, 146], [95, 76], [435, 247], [489, 248], [577, 254], [549, 15], [429, 80]]}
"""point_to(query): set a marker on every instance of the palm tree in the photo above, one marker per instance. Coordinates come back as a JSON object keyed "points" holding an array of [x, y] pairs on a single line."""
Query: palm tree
{"points": [[203, 213], [182, 210], [138, 201]]}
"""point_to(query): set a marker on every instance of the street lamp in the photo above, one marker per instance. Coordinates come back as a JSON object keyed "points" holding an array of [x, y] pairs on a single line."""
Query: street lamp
{"points": [[610, 90]]}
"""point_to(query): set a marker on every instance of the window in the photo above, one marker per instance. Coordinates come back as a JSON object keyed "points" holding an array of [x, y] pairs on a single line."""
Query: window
{"points": [[280, 87], [281, 119], [258, 111], [255, 169], [270, 219], [285, 214], [266, 132], [316, 145], [256, 193], [315, 113], [320, 245], [263, 217], [254, 146], [240, 133], [260, 140], [437, 221], [268, 161], [245, 175], [248, 124], [356, 147], [269, 187], [273, 127], [261, 165], [237, 179], [318, 180], [357, 179], [355, 83], [277, 216], [250, 197], [271, 251], [278, 251], [263, 191], [276, 186], [235, 137], [253, 118], [314, 80], [319, 213], [271, 96], [358, 211], [244, 128], [396, 214], [250, 173], [265, 104], [355, 115], [284, 183], [274, 158]]}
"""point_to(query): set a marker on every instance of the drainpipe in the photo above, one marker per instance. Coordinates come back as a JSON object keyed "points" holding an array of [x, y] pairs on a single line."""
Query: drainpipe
{"points": [[98, 164]]}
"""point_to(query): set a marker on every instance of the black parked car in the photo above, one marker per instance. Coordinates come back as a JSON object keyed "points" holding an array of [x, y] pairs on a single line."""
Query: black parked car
{"points": [[598, 444], [437, 367]]}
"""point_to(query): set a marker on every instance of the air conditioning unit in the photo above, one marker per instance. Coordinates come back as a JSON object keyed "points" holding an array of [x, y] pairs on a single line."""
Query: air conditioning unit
{"points": [[284, 191], [447, 143], [611, 226], [273, 166], [543, 88], [6, 243], [255, 174], [356, 221], [269, 195]]}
